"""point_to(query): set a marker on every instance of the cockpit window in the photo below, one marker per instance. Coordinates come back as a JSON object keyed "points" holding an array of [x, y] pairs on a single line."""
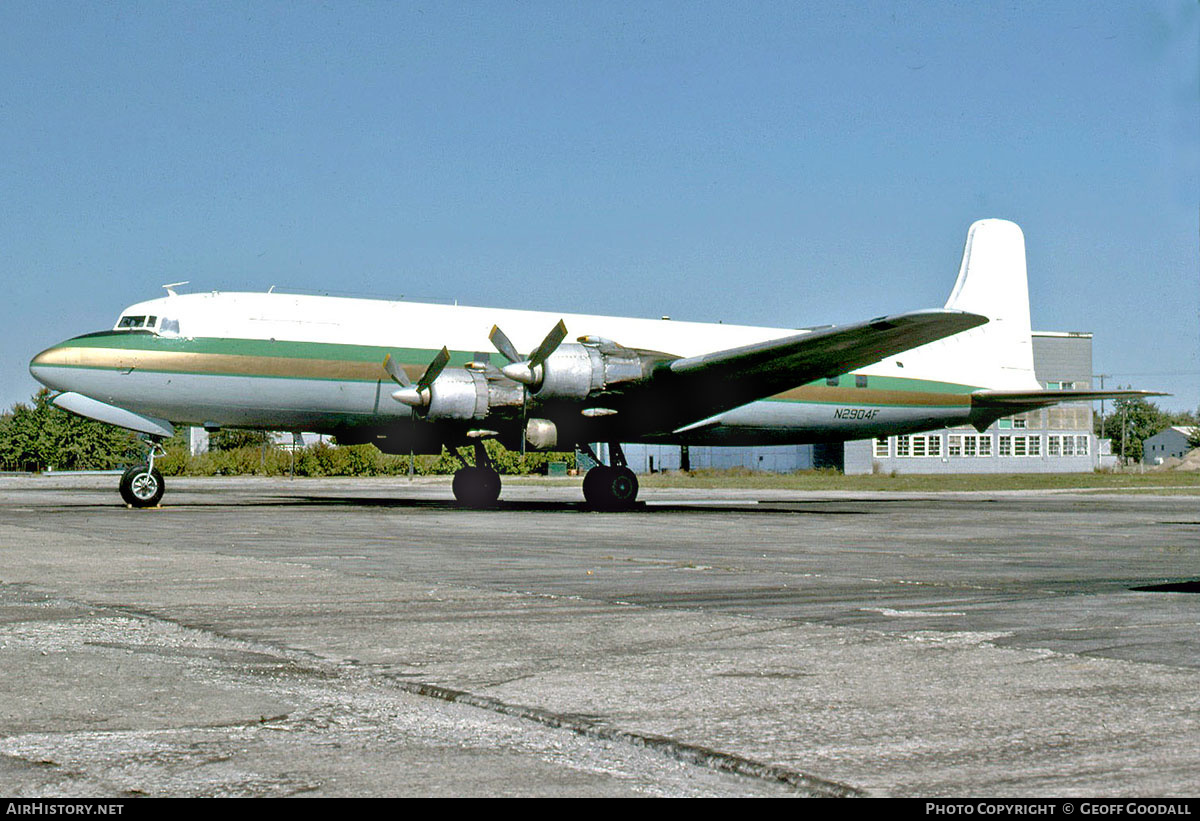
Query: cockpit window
{"points": [[128, 323], [169, 326]]}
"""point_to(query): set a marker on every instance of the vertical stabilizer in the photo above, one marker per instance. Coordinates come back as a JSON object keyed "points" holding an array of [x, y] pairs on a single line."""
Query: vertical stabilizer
{"points": [[992, 281]]}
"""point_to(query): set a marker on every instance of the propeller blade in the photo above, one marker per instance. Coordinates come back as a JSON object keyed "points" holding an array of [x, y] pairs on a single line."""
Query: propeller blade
{"points": [[553, 339], [396, 372], [434, 370], [503, 345]]}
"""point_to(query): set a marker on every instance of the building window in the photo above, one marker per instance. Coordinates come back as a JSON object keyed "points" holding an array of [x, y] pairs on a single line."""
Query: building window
{"points": [[916, 447], [833, 382], [1018, 446], [860, 381], [882, 449], [1069, 445], [968, 445]]}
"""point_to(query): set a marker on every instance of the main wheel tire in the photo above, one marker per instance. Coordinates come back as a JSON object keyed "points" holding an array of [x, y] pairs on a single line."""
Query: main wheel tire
{"points": [[476, 486], [142, 486], [610, 488]]}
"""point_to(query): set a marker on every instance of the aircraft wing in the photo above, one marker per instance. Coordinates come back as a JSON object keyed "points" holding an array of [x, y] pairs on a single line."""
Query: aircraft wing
{"points": [[682, 391]]}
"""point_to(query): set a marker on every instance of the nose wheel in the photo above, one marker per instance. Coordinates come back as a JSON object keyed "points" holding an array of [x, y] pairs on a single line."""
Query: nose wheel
{"points": [[142, 485]]}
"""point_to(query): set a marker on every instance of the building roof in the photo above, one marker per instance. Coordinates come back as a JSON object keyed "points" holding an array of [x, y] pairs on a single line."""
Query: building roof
{"points": [[1186, 430]]}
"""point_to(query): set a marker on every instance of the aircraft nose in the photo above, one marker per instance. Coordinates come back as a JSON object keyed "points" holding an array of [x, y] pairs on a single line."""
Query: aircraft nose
{"points": [[42, 367]]}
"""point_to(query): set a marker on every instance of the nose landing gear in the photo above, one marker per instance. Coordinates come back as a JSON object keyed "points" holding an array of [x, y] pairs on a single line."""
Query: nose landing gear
{"points": [[142, 485]]}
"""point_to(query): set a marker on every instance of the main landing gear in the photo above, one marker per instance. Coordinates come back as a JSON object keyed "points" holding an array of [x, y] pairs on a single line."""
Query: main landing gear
{"points": [[477, 485], [610, 488], [142, 485]]}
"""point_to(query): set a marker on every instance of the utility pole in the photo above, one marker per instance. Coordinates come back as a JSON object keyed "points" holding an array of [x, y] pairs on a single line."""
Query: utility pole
{"points": [[1101, 377], [1124, 431]]}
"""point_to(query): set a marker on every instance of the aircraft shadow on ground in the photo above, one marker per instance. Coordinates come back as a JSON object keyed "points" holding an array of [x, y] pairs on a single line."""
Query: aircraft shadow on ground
{"points": [[555, 505]]}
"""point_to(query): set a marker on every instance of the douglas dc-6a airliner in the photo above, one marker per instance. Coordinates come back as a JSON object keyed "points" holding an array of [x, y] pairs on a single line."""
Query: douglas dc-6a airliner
{"points": [[412, 378]]}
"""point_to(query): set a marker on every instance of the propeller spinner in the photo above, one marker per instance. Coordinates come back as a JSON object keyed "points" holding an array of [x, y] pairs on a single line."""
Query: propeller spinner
{"points": [[419, 395], [527, 371]]}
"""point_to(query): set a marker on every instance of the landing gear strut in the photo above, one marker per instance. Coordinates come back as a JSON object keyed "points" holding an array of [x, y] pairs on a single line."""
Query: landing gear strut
{"points": [[610, 487], [477, 485], [142, 485]]}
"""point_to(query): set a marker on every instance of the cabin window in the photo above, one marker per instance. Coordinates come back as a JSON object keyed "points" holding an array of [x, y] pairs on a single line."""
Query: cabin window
{"points": [[832, 381]]}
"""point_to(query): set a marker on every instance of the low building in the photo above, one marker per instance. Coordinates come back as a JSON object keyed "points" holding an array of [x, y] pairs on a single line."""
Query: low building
{"points": [[1167, 444], [1058, 439]]}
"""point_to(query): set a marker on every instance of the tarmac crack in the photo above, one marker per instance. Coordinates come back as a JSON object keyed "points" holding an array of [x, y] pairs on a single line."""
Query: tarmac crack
{"points": [[582, 725], [807, 785]]}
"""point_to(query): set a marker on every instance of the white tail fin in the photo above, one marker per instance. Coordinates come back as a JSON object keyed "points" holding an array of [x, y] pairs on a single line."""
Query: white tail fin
{"points": [[993, 282]]}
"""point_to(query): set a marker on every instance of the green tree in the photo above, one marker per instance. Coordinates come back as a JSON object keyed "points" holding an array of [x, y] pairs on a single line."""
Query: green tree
{"points": [[1132, 421], [43, 435]]}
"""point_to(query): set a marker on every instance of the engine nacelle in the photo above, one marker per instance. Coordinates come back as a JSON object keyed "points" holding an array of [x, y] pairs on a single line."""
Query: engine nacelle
{"points": [[577, 371], [463, 394]]}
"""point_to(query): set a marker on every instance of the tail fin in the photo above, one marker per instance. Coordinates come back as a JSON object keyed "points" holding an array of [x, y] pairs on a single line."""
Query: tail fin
{"points": [[993, 282]]}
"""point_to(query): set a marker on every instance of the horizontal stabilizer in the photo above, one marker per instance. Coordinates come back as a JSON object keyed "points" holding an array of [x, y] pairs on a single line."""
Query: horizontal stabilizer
{"points": [[85, 406], [1037, 399]]}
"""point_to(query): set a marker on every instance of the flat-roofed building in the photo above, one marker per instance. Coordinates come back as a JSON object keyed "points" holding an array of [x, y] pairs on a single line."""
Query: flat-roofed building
{"points": [[1057, 439]]}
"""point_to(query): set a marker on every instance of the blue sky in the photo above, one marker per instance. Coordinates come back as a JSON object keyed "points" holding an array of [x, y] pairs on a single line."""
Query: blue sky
{"points": [[766, 163]]}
